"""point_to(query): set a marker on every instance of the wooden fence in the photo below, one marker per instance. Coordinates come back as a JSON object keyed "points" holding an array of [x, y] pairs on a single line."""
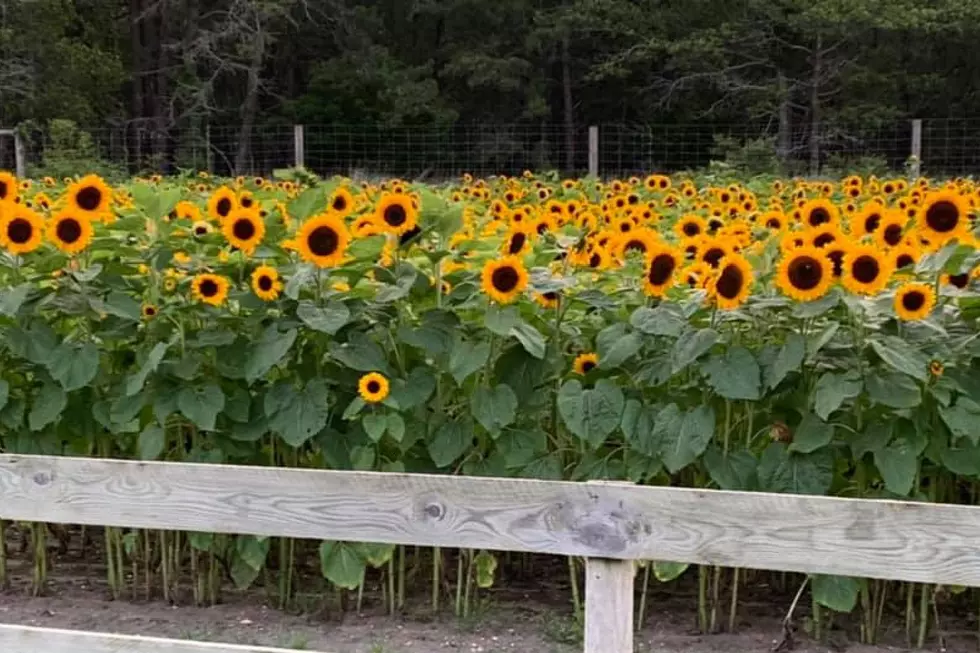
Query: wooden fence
{"points": [[610, 524]]}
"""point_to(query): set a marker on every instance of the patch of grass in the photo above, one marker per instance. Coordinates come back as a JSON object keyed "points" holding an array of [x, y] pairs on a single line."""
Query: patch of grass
{"points": [[561, 629]]}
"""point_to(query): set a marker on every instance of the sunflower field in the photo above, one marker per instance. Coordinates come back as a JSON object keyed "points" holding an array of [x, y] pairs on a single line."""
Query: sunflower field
{"points": [[781, 335]]}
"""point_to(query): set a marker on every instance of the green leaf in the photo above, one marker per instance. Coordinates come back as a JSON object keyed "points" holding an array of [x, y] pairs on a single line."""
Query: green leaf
{"points": [[4, 394], [620, 351], [451, 441], [814, 346], [894, 390], [818, 307], [201, 404], [639, 425], [74, 366], [271, 348], [812, 434], [374, 554], [466, 358], [11, 299], [898, 464], [666, 572], [135, 382], [34, 344], [522, 372], [591, 415], [902, 357], [962, 460], [684, 437], [832, 390], [780, 470], [530, 338], [302, 414], [362, 354], [736, 471], [691, 346], [251, 431], [839, 593], [327, 319], [302, 277], [494, 408], [122, 306], [48, 405], [663, 320], [963, 419], [341, 564], [374, 425], [151, 442], [486, 566], [789, 359], [734, 374], [501, 319], [396, 427], [125, 408], [412, 392]]}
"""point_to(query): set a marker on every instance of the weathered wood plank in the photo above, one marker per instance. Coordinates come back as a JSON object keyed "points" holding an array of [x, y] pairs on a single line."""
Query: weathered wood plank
{"points": [[26, 639], [880, 539], [608, 606]]}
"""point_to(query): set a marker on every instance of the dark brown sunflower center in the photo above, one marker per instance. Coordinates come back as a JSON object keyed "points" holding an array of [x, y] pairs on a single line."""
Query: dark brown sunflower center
{"points": [[893, 234], [823, 240], [805, 273], [244, 229], [837, 258], [323, 241], [865, 269], [713, 256], [730, 282], [247, 202], [959, 280], [661, 269], [504, 279], [714, 225], [595, 261], [149, 311], [69, 230], [819, 216], [200, 230], [551, 296], [904, 260], [19, 231], [339, 203], [223, 207], [943, 217], [89, 198], [4, 190], [517, 243], [913, 300], [395, 215], [265, 283], [691, 229], [872, 222], [635, 245], [208, 288], [587, 366], [373, 387]]}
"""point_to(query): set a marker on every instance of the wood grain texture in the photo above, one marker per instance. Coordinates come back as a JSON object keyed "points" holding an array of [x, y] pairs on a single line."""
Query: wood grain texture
{"points": [[25, 639], [881, 539], [608, 606]]}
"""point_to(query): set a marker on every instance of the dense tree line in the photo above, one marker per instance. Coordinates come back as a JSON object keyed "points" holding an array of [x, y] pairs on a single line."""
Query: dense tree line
{"points": [[176, 65]]}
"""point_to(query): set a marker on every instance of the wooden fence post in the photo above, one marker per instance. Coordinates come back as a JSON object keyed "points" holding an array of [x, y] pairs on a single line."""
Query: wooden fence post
{"points": [[915, 157], [299, 146], [608, 606], [593, 151], [20, 155]]}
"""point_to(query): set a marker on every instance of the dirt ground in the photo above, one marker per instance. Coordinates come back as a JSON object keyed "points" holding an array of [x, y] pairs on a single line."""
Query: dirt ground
{"points": [[504, 621]]}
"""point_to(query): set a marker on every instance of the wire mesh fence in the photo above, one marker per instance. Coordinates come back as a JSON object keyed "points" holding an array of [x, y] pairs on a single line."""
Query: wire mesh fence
{"points": [[948, 147]]}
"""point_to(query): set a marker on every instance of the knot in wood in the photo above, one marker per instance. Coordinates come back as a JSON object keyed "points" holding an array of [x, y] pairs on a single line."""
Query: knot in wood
{"points": [[433, 510], [43, 478]]}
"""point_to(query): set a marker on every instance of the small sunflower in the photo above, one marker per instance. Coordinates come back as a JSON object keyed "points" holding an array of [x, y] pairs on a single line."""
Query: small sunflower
{"points": [[265, 283], [21, 229], [730, 287], [642, 241], [222, 202], [936, 368], [892, 230], [396, 213], [820, 212], [904, 256], [690, 226], [89, 196], [323, 240], [243, 229], [341, 202], [866, 270], [943, 216], [585, 363], [914, 301], [210, 289], [373, 387], [201, 229], [805, 274], [546, 299], [504, 279], [149, 311], [662, 265], [8, 187], [518, 241], [69, 231]]}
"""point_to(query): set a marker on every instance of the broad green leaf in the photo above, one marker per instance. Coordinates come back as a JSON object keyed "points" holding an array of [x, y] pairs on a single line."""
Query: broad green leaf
{"points": [[520, 447], [251, 431], [374, 425], [201, 404], [327, 319], [151, 442], [691, 346], [666, 572], [413, 391], [734, 374], [494, 408], [362, 354], [271, 348], [486, 566], [813, 346], [684, 437], [302, 414], [34, 344], [902, 357], [11, 299], [530, 338], [736, 471], [74, 366], [963, 419], [501, 319], [4, 393], [894, 390], [302, 277], [451, 441], [123, 306], [466, 358], [396, 427], [789, 359], [620, 351], [812, 434], [135, 382], [839, 593], [660, 321], [781, 470], [963, 459], [238, 404], [125, 408], [898, 464], [342, 564], [832, 390], [638, 424], [522, 372], [818, 307], [591, 415], [47, 407], [376, 555]]}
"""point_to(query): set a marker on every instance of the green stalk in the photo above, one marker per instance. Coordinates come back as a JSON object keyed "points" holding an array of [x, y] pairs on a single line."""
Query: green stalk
{"points": [[147, 554], [197, 588], [459, 584], [733, 609], [4, 581], [164, 566], [469, 584], [120, 563], [576, 596], [641, 615], [392, 597], [817, 621], [110, 558], [715, 590], [436, 564], [39, 532], [909, 612], [923, 615], [703, 599]]}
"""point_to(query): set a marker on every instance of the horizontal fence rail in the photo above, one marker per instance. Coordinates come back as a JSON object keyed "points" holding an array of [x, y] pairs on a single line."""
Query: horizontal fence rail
{"points": [[896, 540]]}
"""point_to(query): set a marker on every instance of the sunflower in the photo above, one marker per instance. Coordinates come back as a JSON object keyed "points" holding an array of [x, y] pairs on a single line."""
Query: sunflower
{"points": [[70, 232], [690, 225], [662, 264], [341, 201], [187, 211], [943, 216], [395, 213], [914, 301], [697, 275], [148, 311], [222, 202], [805, 274], [866, 270], [892, 231], [201, 228], [730, 287], [773, 220], [243, 229], [323, 240], [8, 187], [504, 279], [547, 299], [904, 256], [21, 229], [642, 241], [265, 283], [210, 289], [89, 196], [819, 212], [517, 241], [585, 363], [713, 250], [936, 368], [373, 387], [959, 281]]}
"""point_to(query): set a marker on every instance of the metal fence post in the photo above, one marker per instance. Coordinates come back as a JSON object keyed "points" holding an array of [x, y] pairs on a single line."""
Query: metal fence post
{"points": [[915, 157], [299, 146], [20, 155], [593, 151]]}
